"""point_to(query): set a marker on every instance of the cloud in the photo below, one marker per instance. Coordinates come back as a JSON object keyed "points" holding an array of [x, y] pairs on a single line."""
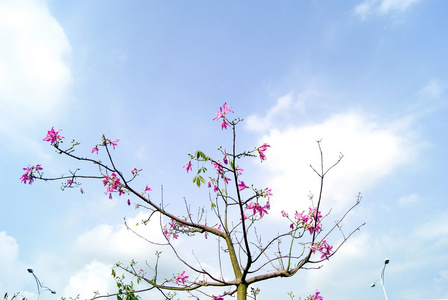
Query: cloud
{"points": [[435, 230], [108, 244], [408, 199], [382, 7], [34, 73], [434, 89], [97, 250], [284, 107], [93, 277], [12, 268], [372, 149]]}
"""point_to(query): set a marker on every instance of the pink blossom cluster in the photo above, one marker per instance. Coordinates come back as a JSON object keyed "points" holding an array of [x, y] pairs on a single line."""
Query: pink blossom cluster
{"points": [[323, 248], [106, 141], [307, 221], [53, 136], [168, 230], [312, 223], [220, 170], [29, 175], [221, 114], [261, 151], [113, 184], [257, 208], [315, 296], [215, 186], [181, 278], [135, 171]]}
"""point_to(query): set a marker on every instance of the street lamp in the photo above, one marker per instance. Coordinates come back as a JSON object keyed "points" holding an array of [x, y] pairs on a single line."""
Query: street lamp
{"points": [[40, 288], [381, 279]]}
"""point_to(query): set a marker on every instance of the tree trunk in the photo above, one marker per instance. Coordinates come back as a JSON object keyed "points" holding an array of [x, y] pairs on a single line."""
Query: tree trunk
{"points": [[241, 293]]}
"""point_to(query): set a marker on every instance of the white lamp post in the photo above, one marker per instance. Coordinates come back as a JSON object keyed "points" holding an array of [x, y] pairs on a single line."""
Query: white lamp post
{"points": [[40, 287], [381, 279]]}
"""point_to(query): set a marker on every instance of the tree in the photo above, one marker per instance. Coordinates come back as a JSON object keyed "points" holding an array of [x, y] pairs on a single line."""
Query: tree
{"points": [[234, 216]]}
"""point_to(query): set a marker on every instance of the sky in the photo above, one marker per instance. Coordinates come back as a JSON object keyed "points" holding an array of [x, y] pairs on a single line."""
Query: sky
{"points": [[366, 77]]}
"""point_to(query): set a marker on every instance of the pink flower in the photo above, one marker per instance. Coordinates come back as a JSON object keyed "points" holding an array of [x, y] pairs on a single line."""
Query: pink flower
{"points": [[69, 181], [168, 230], [114, 143], [315, 296], [218, 168], [308, 221], [134, 171], [225, 158], [95, 149], [323, 247], [262, 210], [129, 201], [181, 278], [215, 188], [223, 111], [147, 189], [266, 193], [239, 171], [188, 166], [113, 184], [218, 298], [242, 186], [222, 114], [53, 136], [314, 248], [29, 176], [268, 205], [285, 214], [261, 150], [81, 190]]}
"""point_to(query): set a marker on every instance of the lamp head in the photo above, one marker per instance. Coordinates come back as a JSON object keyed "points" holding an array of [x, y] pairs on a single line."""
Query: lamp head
{"points": [[30, 271], [373, 284], [386, 261], [53, 292]]}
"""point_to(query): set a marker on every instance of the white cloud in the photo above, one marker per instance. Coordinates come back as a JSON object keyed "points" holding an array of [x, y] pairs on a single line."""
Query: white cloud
{"points": [[434, 89], [387, 6], [106, 243], [34, 75], [382, 7], [372, 150], [408, 199], [12, 269], [96, 251], [435, 229], [93, 277], [285, 105]]}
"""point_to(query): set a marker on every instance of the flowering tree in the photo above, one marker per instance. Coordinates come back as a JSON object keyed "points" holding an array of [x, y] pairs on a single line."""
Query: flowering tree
{"points": [[235, 217]]}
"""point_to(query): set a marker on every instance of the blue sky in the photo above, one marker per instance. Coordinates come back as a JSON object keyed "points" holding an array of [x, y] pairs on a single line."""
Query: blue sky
{"points": [[368, 77]]}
